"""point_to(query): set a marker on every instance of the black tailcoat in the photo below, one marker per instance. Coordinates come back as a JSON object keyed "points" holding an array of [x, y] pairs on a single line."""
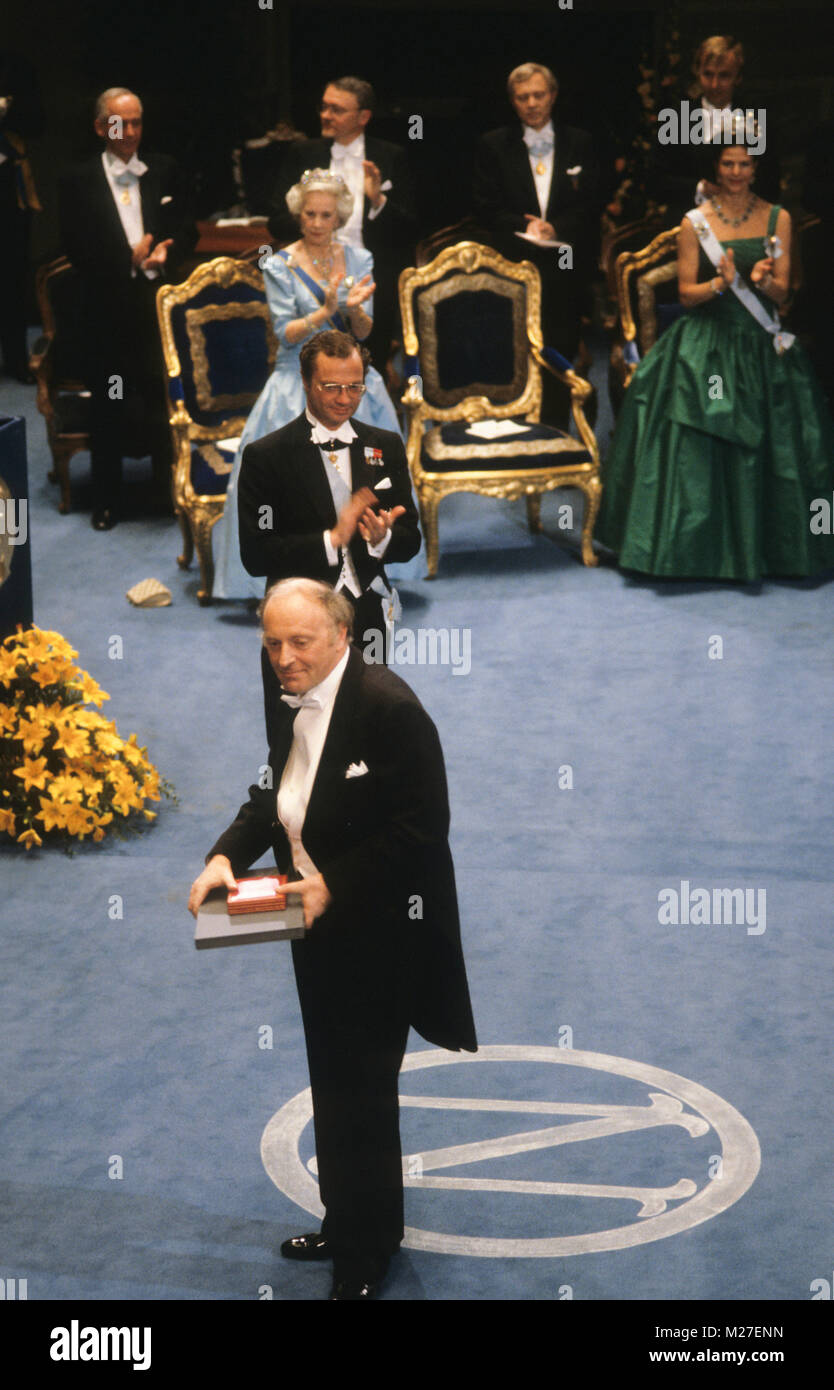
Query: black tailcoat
{"points": [[283, 471], [122, 332], [387, 953], [122, 305], [503, 191], [285, 505]]}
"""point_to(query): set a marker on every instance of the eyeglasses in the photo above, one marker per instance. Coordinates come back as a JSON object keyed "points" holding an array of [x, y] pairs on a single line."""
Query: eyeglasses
{"points": [[332, 388], [336, 110]]}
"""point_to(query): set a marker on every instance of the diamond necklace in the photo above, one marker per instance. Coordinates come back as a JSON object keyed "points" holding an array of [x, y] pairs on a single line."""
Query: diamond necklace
{"points": [[325, 265], [735, 221]]}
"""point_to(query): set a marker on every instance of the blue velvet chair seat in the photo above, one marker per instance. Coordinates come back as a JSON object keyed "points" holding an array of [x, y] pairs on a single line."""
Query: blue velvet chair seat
{"points": [[206, 478], [450, 448], [473, 351]]}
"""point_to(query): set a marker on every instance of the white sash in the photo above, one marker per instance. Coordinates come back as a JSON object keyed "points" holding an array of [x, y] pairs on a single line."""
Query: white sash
{"points": [[715, 252], [392, 609]]}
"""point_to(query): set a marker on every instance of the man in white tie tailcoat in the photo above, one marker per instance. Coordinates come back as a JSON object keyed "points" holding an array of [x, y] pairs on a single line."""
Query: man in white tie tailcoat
{"points": [[377, 174], [534, 183], [125, 224], [357, 814]]}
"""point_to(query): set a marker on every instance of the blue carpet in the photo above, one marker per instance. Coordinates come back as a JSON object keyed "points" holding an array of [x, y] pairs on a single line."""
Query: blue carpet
{"points": [[119, 1039]]}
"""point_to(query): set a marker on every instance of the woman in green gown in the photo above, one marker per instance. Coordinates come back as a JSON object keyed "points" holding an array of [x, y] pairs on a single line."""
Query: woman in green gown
{"points": [[724, 439]]}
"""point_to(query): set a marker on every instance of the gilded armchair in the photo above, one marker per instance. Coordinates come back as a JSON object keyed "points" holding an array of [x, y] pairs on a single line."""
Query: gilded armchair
{"points": [[471, 325], [647, 303], [219, 349]]}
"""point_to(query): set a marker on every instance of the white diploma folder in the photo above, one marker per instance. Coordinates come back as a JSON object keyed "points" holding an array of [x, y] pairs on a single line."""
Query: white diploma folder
{"points": [[215, 926]]}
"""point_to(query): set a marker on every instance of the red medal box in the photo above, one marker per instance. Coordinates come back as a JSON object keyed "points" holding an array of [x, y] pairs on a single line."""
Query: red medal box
{"points": [[258, 895]]}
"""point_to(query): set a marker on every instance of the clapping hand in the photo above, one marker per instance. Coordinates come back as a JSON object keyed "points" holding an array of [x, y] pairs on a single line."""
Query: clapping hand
{"points": [[156, 260], [331, 294], [373, 182], [141, 250], [374, 526], [350, 516], [358, 293], [762, 270]]}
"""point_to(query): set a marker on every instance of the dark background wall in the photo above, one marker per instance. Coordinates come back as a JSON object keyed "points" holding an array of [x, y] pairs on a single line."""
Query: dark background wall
{"points": [[213, 72]]}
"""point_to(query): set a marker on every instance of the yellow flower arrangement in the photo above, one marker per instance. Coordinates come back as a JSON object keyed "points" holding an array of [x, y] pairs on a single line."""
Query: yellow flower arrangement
{"points": [[64, 769]]}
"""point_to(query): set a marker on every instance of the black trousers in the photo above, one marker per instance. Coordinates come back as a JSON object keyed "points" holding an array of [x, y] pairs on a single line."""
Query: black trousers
{"points": [[368, 618], [356, 1036], [127, 425], [126, 375]]}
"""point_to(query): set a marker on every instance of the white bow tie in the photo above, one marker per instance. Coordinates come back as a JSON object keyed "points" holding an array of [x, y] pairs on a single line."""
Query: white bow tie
{"points": [[539, 143], [134, 166], [341, 152], [307, 701]]}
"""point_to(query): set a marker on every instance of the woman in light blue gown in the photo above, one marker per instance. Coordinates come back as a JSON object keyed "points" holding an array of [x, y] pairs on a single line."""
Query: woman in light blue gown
{"points": [[315, 283]]}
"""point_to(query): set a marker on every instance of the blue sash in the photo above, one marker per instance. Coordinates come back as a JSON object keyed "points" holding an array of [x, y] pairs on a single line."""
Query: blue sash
{"points": [[335, 320]]}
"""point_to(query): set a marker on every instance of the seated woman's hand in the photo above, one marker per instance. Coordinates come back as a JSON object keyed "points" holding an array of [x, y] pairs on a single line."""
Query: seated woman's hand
{"points": [[331, 294], [358, 293]]}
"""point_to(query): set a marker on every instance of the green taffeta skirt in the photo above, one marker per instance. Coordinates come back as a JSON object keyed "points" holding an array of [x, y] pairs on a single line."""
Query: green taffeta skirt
{"points": [[721, 447]]}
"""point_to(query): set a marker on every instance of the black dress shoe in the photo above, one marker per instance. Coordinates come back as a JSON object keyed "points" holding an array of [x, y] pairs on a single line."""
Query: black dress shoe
{"points": [[103, 520], [358, 1281], [311, 1247]]}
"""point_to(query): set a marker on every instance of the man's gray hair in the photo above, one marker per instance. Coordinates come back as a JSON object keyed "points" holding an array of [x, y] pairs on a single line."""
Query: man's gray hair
{"points": [[359, 88], [525, 71], [338, 608], [103, 102]]}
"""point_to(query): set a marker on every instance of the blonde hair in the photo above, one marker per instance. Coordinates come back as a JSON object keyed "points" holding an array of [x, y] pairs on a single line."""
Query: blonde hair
{"points": [[718, 46], [525, 71]]}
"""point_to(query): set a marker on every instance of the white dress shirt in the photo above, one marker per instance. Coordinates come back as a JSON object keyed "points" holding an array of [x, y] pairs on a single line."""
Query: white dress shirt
{"points": [[321, 435], [346, 161], [543, 142], [308, 734], [123, 182]]}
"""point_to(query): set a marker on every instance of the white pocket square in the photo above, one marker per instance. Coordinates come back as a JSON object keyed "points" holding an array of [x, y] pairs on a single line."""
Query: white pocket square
{"points": [[384, 187], [357, 770], [383, 482], [166, 199]]}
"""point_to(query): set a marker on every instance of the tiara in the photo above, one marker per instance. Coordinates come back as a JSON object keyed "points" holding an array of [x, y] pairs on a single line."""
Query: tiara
{"points": [[335, 181]]}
